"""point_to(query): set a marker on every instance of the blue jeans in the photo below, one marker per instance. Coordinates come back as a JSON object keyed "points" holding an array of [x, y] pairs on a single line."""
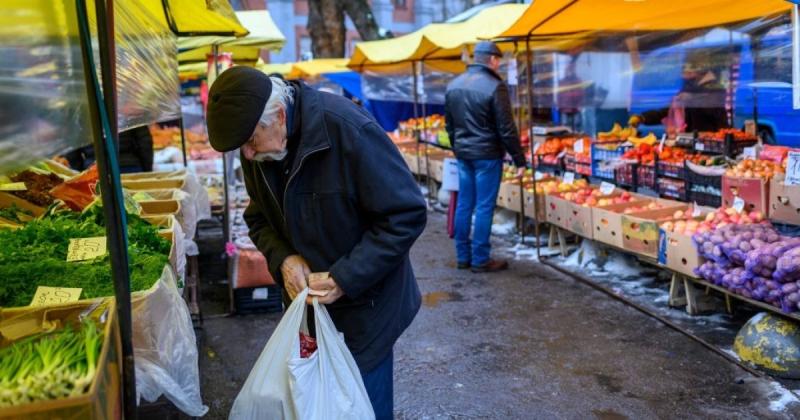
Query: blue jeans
{"points": [[478, 185], [379, 383]]}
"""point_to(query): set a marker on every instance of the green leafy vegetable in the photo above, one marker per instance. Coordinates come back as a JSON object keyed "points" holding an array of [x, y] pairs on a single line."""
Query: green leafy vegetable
{"points": [[35, 255], [50, 366], [13, 213]]}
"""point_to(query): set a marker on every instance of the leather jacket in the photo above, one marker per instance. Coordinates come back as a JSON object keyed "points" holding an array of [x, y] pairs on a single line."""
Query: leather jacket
{"points": [[478, 117]]}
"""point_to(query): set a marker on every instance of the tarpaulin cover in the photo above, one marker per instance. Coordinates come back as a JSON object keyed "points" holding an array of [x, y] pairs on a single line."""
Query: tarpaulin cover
{"points": [[315, 68], [565, 17], [199, 17], [399, 87], [263, 34], [280, 68]]}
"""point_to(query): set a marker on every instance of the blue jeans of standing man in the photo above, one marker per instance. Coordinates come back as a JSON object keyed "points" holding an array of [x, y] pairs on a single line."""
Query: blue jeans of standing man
{"points": [[478, 185], [379, 383]]}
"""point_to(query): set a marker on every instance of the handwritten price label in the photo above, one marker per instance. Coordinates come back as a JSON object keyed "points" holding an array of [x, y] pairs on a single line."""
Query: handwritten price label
{"points": [[750, 152], [578, 146], [46, 296], [699, 146], [696, 210], [13, 186], [792, 169], [569, 177], [738, 204], [538, 176], [606, 188], [86, 248]]}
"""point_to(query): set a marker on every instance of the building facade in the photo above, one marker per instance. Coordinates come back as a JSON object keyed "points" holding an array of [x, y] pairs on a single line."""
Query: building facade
{"points": [[398, 16]]}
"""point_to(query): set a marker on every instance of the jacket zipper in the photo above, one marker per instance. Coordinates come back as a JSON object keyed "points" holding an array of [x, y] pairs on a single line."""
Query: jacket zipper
{"points": [[299, 165], [275, 199]]}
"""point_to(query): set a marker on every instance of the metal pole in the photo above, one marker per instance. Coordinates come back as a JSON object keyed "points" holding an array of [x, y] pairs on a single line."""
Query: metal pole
{"points": [[106, 153], [183, 140], [225, 190], [529, 83], [416, 115]]}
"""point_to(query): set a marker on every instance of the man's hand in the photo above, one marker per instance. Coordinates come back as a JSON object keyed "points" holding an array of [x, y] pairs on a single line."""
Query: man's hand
{"points": [[520, 172], [295, 271], [324, 287]]}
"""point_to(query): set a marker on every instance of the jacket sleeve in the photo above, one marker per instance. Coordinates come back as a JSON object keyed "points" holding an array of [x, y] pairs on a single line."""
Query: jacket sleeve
{"points": [[267, 239], [448, 122], [391, 201], [506, 128]]}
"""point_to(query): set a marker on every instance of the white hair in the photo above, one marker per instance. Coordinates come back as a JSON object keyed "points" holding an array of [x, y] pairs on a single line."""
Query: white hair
{"points": [[280, 98]]}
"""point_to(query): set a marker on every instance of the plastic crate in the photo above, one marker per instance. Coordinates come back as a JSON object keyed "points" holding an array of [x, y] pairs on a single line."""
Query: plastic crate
{"points": [[646, 176], [728, 147], [625, 175], [252, 300], [704, 199], [569, 162], [672, 188], [671, 169], [693, 177], [600, 153]]}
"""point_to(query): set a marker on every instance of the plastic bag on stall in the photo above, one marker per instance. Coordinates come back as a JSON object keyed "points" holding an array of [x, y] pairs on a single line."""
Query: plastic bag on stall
{"points": [[165, 347], [283, 385]]}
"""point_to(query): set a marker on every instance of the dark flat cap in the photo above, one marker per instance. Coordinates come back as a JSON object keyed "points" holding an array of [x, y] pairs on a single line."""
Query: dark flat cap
{"points": [[488, 48], [235, 104]]}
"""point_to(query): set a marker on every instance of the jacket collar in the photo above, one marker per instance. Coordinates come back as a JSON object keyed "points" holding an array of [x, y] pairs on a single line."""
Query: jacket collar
{"points": [[308, 125], [477, 67]]}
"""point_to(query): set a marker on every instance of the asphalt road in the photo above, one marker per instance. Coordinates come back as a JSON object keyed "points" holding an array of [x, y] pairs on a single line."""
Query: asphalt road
{"points": [[526, 343]]}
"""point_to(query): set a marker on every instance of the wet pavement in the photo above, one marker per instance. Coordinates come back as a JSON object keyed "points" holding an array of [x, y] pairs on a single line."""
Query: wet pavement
{"points": [[526, 343]]}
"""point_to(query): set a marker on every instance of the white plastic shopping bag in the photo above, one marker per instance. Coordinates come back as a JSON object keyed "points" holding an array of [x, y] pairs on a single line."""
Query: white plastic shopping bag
{"points": [[282, 385]]}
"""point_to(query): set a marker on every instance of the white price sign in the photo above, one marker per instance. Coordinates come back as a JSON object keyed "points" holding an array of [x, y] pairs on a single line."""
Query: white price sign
{"points": [[450, 175], [750, 152], [569, 177], [578, 146], [792, 169], [562, 153], [606, 188], [661, 146], [738, 204], [695, 210], [699, 146], [538, 176]]}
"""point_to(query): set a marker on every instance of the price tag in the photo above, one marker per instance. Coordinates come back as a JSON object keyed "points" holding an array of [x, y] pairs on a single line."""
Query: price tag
{"points": [[262, 293], [569, 178], [46, 296], [86, 248], [578, 146], [606, 188], [661, 146], [695, 210], [538, 176], [699, 146], [536, 146], [750, 152], [13, 186], [738, 204], [562, 153], [792, 169]]}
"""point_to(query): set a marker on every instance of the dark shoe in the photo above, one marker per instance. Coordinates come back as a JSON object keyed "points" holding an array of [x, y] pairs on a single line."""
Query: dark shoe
{"points": [[463, 266], [491, 266]]}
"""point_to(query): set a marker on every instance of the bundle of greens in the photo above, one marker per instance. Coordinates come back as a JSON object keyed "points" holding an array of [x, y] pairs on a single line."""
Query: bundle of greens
{"points": [[16, 214], [35, 255], [50, 366]]}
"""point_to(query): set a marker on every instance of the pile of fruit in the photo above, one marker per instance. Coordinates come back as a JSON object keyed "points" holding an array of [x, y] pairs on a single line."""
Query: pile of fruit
{"points": [[738, 135], [590, 197], [705, 160], [643, 153], [751, 168], [555, 145], [616, 134], [555, 186], [653, 205], [649, 140], [684, 222]]}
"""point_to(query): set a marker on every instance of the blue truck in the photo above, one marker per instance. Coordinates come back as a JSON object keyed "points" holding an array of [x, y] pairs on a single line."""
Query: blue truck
{"points": [[758, 69]]}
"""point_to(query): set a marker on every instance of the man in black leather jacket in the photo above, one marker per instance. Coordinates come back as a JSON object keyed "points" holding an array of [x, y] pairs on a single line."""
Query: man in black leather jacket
{"points": [[481, 126]]}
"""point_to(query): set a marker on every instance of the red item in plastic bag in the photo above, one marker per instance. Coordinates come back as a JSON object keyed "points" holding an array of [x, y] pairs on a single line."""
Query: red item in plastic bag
{"points": [[308, 345], [774, 153], [79, 191]]}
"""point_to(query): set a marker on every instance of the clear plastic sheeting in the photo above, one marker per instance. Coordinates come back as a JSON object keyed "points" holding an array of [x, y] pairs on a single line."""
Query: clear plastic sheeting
{"points": [[147, 67], [702, 80], [399, 87], [42, 91], [165, 349]]}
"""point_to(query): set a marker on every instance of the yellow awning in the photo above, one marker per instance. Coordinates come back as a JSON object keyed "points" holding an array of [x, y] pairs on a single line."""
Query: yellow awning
{"points": [[565, 17], [280, 68], [183, 17], [313, 68], [263, 34]]}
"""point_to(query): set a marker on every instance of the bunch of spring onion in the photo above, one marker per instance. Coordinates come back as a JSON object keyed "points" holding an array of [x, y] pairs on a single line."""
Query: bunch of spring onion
{"points": [[50, 366]]}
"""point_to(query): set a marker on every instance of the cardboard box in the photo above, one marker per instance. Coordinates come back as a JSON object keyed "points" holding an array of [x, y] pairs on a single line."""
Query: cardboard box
{"points": [[153, 184], [530, 210], [510, 196], [565, 214], [640, 231], [607, 221], [6, 200], [678, 253], [104, 398], [437, 169], [754, 192], [160, 207], [784, 201]]}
